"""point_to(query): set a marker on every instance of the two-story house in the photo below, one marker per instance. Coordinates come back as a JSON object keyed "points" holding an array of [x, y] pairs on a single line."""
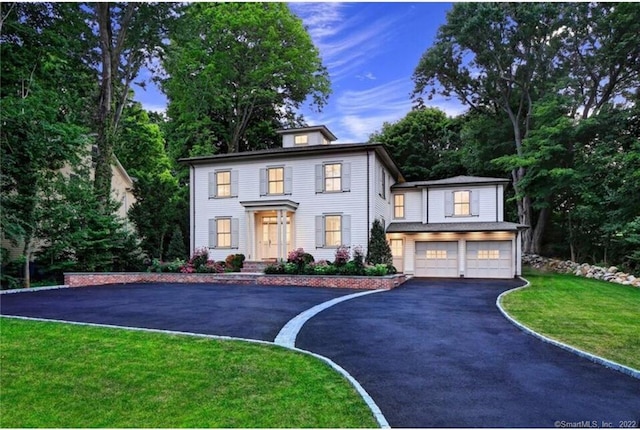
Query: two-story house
{"points": [[315, 194]]}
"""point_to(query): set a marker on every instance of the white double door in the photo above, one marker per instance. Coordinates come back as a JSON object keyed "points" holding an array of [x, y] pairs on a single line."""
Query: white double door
{"points": [[268, 237]]}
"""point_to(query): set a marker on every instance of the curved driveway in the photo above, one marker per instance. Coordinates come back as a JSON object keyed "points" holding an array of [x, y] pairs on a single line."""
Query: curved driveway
{"points": [[436, 353], [431, 353]]}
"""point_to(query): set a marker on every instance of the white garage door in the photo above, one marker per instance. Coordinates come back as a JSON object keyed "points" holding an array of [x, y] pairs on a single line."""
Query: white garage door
{"points": [[437, 259], [489, 259]]}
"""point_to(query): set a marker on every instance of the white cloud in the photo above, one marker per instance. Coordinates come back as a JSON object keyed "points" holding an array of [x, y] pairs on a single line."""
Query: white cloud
{"points": [[370, 76], [345, 43]]}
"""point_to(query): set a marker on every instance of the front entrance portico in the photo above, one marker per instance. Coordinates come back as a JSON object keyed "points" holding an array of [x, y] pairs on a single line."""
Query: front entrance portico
{"points": [[270, 229]]}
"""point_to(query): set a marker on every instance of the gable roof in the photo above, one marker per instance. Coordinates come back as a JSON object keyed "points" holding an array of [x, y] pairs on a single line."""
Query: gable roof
{"points": [[302, 151], [456, 180]]}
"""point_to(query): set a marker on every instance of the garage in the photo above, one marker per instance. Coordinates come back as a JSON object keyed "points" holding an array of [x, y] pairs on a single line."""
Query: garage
{"points": [[489, 259], [437, 259]]}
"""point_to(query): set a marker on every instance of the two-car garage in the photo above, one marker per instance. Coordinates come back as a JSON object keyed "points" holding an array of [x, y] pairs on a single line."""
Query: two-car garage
{"points": [[482, 259]]}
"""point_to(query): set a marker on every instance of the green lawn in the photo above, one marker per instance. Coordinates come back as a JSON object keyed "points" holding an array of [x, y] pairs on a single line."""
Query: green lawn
{"points": [[59, 375], [596, 316]]}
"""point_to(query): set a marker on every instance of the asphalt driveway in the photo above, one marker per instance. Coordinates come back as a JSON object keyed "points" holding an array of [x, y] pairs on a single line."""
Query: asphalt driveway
{"points": [[432, 353], [437, 353], [251, 312]]}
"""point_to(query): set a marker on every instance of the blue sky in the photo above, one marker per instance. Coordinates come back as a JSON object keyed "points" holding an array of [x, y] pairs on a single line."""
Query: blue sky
{"points": [[371, 51]]}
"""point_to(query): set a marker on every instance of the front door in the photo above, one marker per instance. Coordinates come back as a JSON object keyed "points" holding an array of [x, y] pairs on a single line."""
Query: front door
{"points": [[268, 240]]}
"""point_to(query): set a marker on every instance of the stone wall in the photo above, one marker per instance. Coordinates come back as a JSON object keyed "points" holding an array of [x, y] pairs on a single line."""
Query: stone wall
{"points": [[355, 282], [609, 274]]}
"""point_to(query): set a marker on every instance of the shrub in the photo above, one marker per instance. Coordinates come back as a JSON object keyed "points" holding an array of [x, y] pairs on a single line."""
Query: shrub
{"points": [[324, 268], [291, 269], [274, 269], [342, 255], [234, 262], [300, 259], [211, 267], [199, 257], [377, 270], [350, 269], [358, 258], [166, 266]]}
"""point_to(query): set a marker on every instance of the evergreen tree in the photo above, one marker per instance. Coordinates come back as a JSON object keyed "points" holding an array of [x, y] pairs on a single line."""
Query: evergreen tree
{"points": [[379, 251], [176, 246]]}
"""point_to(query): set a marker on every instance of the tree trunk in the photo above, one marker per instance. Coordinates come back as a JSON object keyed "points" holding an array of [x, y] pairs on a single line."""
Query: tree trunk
{"points": [[538, 231], [102, 180]]}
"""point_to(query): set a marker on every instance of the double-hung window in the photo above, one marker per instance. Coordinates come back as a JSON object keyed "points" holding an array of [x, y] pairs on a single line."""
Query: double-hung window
{"points": [[398, 206], [461, 203], [333, 177], [275, 180], [223, 232], [223, 184], [333, 230]]}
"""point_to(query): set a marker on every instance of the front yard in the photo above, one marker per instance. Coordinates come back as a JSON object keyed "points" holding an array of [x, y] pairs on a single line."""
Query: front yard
{"points": [[59, 375], [596, 316]]}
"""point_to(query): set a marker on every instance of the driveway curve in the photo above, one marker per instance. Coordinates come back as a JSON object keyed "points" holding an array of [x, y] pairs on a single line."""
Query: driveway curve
{"points": [[438, 353], [250, 312]]}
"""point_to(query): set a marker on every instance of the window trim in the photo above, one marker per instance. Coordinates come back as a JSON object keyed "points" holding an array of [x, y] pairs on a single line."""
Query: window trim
{"points": [[297, 143], [220, 232], [326, 230], [462, 204], [321, 230], [219, 184], [391, 241], [281, 181], [325, 177]]}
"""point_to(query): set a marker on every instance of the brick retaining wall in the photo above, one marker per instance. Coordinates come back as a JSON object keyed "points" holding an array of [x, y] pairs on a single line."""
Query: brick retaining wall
{"points": [[355, 282]]}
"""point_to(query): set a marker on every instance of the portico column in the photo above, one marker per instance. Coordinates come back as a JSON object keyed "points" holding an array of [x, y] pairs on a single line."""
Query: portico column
{"points": [[251, 234], [279, 233]]}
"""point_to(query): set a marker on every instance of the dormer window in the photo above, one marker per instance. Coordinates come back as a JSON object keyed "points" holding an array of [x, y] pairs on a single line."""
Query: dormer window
{"points": [[301, 139]]}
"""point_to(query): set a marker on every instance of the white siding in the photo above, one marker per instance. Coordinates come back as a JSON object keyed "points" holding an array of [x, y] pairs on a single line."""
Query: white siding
{"points": [[353, 203], [383, 206], [486, 204], [412, 205]]}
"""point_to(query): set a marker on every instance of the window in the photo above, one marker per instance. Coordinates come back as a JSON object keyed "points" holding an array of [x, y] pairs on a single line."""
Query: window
{"points": [[301, 139], [223, 233], [436, 254], [383, 184], [398, 206], [333, 177], [275, 180], [333, 230], [461, 203], [488, 254], [223, 184], [396, 247]]}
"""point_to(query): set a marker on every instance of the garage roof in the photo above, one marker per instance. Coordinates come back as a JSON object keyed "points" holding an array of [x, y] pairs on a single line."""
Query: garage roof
{"points": [[418, 227], [456, 180]]}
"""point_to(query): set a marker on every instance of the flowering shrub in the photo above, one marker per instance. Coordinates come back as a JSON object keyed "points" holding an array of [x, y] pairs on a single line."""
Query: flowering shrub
{"points": [[342, 255], [234, 262], [301, 263], [200, 257]]}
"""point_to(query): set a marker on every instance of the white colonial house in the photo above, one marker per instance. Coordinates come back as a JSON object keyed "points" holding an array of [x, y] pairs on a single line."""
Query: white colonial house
{"points": [[317, 195]]}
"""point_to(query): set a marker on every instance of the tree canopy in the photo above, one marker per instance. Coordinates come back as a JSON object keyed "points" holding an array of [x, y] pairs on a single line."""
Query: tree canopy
{"points": [[238, 71]]}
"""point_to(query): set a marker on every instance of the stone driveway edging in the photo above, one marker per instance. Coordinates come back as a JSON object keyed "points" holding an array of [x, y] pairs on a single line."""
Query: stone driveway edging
{"points": [[33, 290], [592, 357]]}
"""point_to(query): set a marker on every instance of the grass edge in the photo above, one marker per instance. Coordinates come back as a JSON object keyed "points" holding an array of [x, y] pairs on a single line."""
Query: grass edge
{"points": [[634, 373]]}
